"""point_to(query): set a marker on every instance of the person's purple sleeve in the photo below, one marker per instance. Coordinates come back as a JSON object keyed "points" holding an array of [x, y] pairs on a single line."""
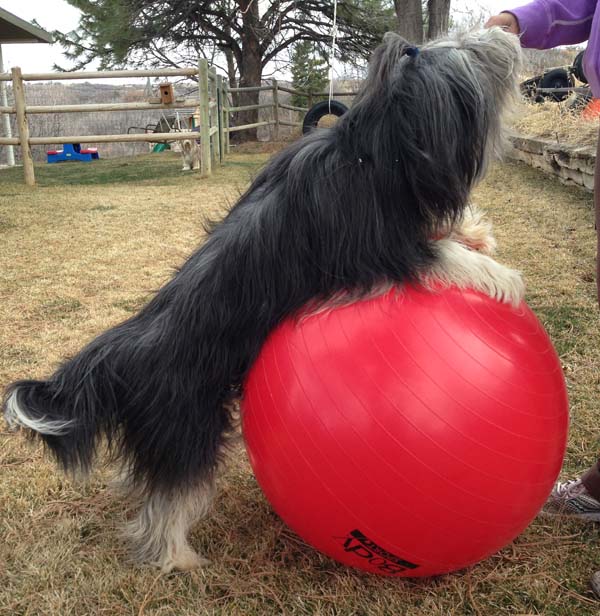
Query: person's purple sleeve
{"points": [[548, 23]]}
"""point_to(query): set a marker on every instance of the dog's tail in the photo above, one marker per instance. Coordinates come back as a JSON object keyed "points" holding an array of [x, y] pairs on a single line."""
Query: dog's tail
{"points": [[77, 407], [65, 415], [136, 392], [29, 404]]}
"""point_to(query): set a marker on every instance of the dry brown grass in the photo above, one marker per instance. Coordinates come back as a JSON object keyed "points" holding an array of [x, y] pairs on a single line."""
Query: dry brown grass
{"points": [[76, 259], [556, 122]]}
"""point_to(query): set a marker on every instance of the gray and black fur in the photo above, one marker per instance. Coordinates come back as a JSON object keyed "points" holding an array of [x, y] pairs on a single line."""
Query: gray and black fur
{"points": [[343, 211]]}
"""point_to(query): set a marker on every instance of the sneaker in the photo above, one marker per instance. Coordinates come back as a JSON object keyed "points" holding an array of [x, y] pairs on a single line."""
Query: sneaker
{"points": [[595, 584], [572, 499]]}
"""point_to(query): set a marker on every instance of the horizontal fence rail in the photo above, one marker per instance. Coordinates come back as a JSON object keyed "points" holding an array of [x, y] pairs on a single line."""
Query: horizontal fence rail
{"points": [[292, 108], [250, 107], [134, 137], [90, 107], [159, 72], [293, 91], [211, 110], [251, 89], [339, 94], [233, 129]]}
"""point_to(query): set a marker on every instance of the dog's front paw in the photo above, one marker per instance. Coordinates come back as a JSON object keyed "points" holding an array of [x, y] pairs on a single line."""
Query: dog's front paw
{"points": [[502, 283], [458, 265]]}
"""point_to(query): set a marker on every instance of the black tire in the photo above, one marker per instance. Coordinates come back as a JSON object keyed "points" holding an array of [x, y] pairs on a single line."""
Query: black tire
{"points": [[578, 67], [320, 110], [557, 78]]}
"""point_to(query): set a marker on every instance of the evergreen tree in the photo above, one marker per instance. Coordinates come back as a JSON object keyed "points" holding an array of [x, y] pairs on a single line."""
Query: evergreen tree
{"points": [[309, 72]]}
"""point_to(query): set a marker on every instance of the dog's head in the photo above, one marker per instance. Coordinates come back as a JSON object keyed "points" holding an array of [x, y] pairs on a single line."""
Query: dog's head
{"points": [[432, 117]]}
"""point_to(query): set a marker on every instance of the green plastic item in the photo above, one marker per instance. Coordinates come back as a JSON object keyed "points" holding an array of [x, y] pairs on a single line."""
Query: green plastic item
{"points": [[161, 147]]}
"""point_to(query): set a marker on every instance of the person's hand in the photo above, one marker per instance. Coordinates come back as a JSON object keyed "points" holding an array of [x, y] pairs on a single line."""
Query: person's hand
{"points": [[507, 21]]}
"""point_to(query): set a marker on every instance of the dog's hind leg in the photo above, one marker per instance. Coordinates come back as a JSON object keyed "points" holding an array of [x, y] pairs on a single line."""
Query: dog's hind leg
{"points": [[159, 531]]}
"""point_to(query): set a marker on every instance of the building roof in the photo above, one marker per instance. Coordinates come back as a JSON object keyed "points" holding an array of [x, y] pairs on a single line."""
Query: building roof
{"points": [[16, 30]]}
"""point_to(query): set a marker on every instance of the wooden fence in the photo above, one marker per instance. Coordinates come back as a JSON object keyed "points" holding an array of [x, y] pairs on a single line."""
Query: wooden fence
{"points": [[212, 109]]}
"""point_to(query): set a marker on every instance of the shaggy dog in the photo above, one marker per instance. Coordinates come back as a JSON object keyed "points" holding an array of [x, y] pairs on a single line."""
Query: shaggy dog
{"points": [[190, 155], [379, 199]]}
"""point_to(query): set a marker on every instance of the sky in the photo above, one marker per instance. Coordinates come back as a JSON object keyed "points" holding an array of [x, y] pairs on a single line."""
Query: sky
{"points": [[59, 15], [50, 15]]}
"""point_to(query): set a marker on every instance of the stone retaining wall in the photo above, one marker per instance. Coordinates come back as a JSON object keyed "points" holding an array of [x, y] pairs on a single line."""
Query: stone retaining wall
{"points": [[571, 164]]}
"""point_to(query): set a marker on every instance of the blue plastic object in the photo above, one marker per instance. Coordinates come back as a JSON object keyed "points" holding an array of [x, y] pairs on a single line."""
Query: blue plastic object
{"points": [[72, 151]]}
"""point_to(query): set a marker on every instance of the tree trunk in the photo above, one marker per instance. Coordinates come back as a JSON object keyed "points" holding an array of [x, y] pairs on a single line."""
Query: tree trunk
{"points": [[439, 17], [231, 78], [250, 69], [410, 20], [230, 58]]}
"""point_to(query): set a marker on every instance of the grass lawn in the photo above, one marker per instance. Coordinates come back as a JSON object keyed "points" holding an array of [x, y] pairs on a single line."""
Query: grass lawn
{"points": [[87, 247]]}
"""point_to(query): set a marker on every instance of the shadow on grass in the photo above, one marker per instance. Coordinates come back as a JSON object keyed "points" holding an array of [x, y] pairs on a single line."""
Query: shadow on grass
{"points": [[160, 169]]}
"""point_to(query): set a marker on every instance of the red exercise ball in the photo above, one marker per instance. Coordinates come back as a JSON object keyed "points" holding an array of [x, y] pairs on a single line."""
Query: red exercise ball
{"points": [[411, 434]]}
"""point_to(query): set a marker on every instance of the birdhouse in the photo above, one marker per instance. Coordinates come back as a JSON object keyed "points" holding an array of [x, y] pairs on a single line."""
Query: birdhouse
{"points": [[166, 93]]}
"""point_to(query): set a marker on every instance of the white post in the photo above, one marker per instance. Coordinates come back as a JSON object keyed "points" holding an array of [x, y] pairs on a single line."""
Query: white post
{"points": [[10, 150]]}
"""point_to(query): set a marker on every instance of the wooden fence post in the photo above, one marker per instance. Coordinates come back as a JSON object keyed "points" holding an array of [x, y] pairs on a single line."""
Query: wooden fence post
{"points": [[206, 166], [23, 126], [220, 118], [226, 117], [276, 109], [214, 114]]}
